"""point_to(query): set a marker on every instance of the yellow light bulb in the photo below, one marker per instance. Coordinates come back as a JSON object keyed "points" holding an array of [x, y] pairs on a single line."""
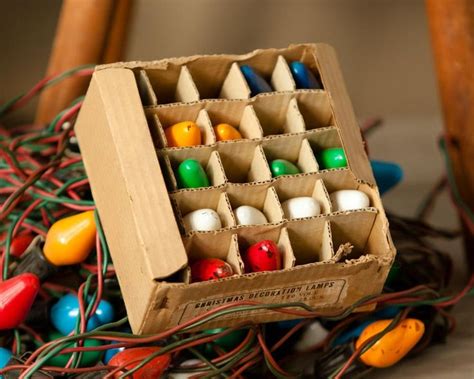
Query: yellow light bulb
{"points": [[394, 345], [70, 240]]}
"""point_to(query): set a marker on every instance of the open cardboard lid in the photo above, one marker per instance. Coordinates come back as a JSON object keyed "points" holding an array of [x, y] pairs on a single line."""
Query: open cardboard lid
{"points": [[139, 213]]}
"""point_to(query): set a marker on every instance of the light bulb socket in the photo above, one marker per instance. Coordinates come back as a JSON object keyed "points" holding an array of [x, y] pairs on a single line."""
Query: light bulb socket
{"points": [[34, 261]]}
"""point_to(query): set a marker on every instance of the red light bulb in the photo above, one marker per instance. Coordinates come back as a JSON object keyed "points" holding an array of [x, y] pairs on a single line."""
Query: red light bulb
{"points": [[20, 243], [210, 269], [153, 369], [262, 256], [17, 295]]}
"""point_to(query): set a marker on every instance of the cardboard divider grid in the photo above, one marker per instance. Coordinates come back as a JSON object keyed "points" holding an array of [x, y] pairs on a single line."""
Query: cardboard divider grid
{"points": [[329, 261], [259, 196], [203, 198], [290, 187], [311, 240], [205, 155]]}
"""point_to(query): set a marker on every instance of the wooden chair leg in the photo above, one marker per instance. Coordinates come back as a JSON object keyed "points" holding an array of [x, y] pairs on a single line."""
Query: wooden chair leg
{"points": [[88, 32], [452, 33]]}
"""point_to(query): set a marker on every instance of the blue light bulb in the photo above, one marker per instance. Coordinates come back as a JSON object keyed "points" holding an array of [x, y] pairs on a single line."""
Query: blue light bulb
{"points": [[65, 312]]}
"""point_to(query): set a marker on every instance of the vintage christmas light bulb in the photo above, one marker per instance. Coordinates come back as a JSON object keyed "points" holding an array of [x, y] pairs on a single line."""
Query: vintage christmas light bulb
{"points": [[283, 167], [255, 81], [226, 132], [153, 369], [17, 295], [65, 312], [182, 134], [210, 269], [394, 345], [262, 256], [69, 241], [88, 358], [304, 78], [20, 243], [333, 157], [191, 174]]}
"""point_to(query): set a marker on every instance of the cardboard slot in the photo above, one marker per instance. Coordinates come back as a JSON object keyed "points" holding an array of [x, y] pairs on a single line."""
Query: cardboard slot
{"points": [[353, 227], [260, 196], [244, 161], [290, 187], [147, 95], [278, 114], [282, 80], [214, 198], [221, 245], [293, 148], [275, 233], [205, 155], [186, 90], [163, 82], [315, 107], [311, 240], [168, 116], [343, 179], [235, 86], [324, 138], [239, 114], [156, 130], [378, 243], [168, 173]]}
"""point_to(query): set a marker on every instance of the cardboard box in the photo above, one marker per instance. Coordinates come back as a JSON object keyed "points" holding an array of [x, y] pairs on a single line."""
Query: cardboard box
{"points": [[329, 261]]}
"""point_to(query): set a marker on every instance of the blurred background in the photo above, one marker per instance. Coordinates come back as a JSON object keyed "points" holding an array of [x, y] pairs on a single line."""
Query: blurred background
{"points": [[385, 55]]}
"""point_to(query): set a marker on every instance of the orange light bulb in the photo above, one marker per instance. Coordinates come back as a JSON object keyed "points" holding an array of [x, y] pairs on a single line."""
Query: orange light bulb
{"points": [[226, 132], [394, 345], [185, 133], [70, 240]]}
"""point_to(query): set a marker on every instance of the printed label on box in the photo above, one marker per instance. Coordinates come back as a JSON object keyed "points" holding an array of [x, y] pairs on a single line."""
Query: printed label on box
{"points": [[327, 292]]}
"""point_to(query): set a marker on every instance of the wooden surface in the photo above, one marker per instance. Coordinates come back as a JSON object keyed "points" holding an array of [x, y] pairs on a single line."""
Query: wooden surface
{"points": [[452, 34], [88, 32]]}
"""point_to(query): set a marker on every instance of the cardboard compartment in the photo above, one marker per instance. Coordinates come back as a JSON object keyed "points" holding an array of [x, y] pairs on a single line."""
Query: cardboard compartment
{"points": [[259, 196], [276, 233], [239, 114], [205, 155], [324, 138], [309, 185], [147, 95], [343, 179], [315, 107], [278, 114], [311, 240], [175, 84], [354, 228], [222, 245], [244, 161], [294, 148], [163, 117], [203, 198]]}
